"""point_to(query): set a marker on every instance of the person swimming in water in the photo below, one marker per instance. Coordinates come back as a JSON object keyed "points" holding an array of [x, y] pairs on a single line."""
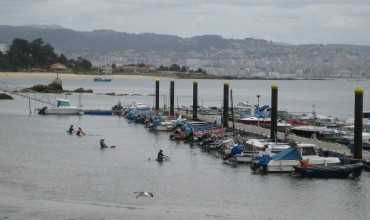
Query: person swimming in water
{"points": [[103, 144], [160, 156], [80, 132], [70, 130]]}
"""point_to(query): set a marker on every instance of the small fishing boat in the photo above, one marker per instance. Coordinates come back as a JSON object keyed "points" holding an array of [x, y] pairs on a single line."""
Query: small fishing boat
{"points": [[259, 144], [63, 107], [256, 121], [160, 123], [332, 171], [208, 111], [118, 109], [243, 110], [318, 132], [288, 158], [367, 166], [102, 79], [349, 141]]}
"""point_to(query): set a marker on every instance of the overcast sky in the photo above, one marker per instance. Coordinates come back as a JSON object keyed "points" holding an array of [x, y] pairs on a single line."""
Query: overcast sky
{"points": [[291, 21]]}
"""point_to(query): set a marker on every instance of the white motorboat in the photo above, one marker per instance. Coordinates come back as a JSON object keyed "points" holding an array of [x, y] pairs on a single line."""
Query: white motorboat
{"points": [[243, 110], [287, 159], [63, 107], [254, 147], [102, 79]]}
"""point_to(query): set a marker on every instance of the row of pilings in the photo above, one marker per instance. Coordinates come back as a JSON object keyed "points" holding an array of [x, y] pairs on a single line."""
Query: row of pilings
{"points": [[358, 110]]}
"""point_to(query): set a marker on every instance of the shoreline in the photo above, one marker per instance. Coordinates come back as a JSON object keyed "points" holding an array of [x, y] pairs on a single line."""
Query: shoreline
{"points": [[144, 76]]}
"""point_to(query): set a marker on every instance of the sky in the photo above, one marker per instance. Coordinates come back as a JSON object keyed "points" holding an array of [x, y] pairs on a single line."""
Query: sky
{"points": [[289, 21]]}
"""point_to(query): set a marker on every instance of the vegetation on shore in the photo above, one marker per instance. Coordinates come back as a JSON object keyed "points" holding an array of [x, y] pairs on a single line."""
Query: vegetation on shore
{"points": [[23, 55], [182, 69]]}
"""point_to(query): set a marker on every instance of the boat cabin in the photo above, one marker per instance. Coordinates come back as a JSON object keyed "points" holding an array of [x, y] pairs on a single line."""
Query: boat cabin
{"points": [[63, 103]]}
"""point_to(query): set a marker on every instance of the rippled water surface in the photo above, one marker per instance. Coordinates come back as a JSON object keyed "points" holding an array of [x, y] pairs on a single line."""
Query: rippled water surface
{"points": [[47, 174]]}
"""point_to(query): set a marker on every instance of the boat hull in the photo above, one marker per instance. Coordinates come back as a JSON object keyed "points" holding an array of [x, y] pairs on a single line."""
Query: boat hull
{"points": [[335, 171], [98, 112], [63, 111]]}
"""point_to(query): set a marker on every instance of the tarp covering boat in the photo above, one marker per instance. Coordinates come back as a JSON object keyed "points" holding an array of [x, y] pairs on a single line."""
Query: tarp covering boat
{"points": [[291, 153], [237, 149]]}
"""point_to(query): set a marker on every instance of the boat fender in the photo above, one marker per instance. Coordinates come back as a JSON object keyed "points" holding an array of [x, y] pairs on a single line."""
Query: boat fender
{"points": [[305, 163]]}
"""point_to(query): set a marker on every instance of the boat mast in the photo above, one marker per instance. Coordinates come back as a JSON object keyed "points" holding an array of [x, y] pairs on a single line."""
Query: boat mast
{"points": [[232, 111], [79, 100], [29, 105]]}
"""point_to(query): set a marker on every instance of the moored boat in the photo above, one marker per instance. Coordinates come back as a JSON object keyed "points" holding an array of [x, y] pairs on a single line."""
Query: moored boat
{"points": [[102, 79], [318, 132], [288, 158], [332, 171], [367, 166], [63, 107]]}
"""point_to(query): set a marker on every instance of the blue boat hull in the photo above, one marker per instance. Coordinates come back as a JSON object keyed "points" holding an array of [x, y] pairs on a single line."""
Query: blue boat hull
{"points": [[98, 112], [334, 171]]}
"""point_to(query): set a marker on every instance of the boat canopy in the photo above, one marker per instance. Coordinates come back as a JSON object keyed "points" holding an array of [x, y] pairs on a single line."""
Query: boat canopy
{"points": [[63, 103], [291, 153]]}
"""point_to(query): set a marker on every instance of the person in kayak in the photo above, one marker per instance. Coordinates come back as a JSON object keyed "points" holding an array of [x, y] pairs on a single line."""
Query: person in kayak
{"points": [[160, 156], [80, 132], [102, 144], [70, 130]]}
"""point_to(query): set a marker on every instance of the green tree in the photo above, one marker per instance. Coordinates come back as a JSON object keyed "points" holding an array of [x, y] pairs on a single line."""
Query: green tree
{"points": [[62, 59], [4, 63], [24, 55], [163, 68], [42, 54], [175, 67], [184, 69], [200, 70], [82, 64], [19, 54]]}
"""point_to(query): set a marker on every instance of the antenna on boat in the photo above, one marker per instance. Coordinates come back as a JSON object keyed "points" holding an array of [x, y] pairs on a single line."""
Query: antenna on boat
{"points": [[29, 105], [314, 114]]}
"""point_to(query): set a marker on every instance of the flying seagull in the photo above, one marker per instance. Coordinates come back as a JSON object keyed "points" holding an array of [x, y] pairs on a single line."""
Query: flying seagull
{"points": [[146, 194]]}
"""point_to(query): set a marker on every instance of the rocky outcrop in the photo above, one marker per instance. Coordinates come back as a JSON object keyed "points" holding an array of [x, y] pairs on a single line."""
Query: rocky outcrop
{"points": [[50, 88], [4, 96], [82, 90]]}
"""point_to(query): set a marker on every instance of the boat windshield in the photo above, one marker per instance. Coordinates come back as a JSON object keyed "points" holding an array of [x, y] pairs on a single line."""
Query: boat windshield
{"points": [[63, 103], [308, 151]]}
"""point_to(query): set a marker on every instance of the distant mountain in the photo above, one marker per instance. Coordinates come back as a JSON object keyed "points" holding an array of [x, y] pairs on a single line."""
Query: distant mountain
{"points": [[244, 57]]}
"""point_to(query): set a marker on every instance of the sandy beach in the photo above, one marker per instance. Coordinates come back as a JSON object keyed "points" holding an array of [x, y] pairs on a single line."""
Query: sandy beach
{"points": [[52, 75]]}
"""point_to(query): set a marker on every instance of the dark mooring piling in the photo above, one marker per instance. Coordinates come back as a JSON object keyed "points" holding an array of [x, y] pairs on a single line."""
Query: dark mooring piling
{"points": [[172, 98], [157, 95], [357, 148], [195, 100], [274, 109], [226, 105]]}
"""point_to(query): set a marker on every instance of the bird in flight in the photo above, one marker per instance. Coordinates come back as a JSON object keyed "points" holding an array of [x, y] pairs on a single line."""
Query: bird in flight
{"points": [[144, 194]]}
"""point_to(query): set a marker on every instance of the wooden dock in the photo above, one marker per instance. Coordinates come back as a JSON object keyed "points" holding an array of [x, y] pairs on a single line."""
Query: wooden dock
{"points": [[260, 131]]}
